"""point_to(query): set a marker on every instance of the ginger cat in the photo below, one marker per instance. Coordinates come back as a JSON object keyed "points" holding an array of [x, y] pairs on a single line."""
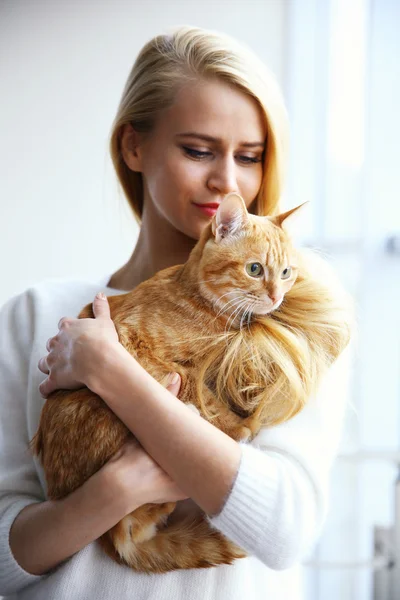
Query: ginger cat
{"points": [[250, 326]]}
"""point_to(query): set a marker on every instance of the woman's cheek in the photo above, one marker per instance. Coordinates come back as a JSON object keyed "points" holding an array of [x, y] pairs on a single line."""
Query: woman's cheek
{"points": [[252, 182], [189, 176]]}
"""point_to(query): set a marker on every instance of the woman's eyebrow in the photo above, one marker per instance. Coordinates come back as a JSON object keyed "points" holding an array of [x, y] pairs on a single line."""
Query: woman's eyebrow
{"points": [[209, 138]]}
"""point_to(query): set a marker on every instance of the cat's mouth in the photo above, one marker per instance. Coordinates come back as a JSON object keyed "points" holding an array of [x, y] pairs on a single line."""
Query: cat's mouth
{"points": [[264, 310]]}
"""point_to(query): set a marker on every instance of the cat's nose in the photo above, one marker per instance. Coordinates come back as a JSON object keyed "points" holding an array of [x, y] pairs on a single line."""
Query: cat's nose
{"points": [[275, 298]]}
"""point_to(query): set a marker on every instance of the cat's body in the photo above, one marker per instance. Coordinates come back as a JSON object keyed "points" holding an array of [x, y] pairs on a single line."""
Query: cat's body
{"points": [[229, 372]]}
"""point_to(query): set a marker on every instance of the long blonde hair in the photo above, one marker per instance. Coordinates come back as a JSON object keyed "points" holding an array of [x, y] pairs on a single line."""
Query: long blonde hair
{"points": [[164, 65]]}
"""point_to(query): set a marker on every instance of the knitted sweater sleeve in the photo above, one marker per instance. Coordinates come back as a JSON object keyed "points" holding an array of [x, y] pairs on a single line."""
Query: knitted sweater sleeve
{"points": [[278, 502], [19, 484]]}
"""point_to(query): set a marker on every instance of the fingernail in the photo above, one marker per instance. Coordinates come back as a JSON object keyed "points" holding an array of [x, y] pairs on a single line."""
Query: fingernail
{"points": [[101, 296], [174, 378]]}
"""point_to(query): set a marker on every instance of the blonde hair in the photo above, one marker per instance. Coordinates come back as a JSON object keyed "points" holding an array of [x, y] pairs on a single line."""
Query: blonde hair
{"points": [[164, 65]]}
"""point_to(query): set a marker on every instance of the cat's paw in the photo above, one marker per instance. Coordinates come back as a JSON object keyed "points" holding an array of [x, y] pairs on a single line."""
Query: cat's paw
{"points": [[193, 408], [244, 434]]}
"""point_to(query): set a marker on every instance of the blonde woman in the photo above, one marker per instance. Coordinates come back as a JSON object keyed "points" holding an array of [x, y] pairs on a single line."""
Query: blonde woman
{"points": [[199, 117]]}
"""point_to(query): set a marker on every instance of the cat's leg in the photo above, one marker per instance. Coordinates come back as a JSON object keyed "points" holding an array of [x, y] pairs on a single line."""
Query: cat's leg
{"points": [[77, 435]]}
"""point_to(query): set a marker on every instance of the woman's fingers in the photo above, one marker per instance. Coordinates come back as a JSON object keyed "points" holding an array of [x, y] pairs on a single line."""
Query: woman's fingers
{"points": [[174, 386], [101, 307]]}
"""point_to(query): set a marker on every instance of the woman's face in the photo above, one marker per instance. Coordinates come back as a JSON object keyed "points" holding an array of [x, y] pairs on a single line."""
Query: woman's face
{"points": [[208, 143]]}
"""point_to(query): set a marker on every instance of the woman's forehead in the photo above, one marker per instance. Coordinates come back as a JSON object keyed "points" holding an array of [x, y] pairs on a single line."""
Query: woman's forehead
{"points": [[217, 110]]}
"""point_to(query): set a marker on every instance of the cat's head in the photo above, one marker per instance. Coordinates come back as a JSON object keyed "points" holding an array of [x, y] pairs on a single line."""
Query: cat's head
{"points": [[248, 263]]}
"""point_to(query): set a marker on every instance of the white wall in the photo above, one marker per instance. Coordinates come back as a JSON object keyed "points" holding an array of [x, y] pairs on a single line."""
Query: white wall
{"points": [[62, 69]]}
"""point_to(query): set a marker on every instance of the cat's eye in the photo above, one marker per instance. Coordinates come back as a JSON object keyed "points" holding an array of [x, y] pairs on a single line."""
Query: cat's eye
{"points": [[286, 273], [254, 269]]}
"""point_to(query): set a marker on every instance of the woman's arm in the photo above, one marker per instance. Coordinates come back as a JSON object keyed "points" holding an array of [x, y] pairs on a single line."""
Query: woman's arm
{"points": [[36, 535], [45, 534], [269, 497], [201, 459]]}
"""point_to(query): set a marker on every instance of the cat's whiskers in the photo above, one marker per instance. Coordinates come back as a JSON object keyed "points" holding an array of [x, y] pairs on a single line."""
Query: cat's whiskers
{"points": [[240, 302], [248, 311], [243, 337], [232, 317], [251, 314], [248, 296], [237, 312], [226, 331], [244, 316], [227, 293], [234, 291], [251, 311], [226, 306]]}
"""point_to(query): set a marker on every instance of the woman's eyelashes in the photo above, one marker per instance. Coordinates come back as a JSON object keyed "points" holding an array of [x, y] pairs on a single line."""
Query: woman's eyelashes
{"points": [[202, 154], [197, 154]]}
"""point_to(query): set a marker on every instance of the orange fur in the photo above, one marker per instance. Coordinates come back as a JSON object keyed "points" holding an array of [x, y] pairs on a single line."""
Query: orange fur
{"points": [[241, 371]]}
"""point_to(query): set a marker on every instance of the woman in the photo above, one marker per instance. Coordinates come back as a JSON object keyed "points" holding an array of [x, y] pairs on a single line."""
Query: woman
{"points": [[199, 117]]}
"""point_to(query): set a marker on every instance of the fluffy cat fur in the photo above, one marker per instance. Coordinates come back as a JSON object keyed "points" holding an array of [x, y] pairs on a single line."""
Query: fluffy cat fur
{"points": [[246, 361]]}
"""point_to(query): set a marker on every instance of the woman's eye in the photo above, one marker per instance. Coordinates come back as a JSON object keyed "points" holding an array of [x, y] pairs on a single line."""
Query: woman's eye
{"points": [[254, 269], [200, 154], [195, 153], [286, 273], [250, 159]]}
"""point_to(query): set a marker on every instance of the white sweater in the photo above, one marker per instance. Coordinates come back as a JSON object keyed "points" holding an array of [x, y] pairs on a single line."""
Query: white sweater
{"points": [[274, 511]]}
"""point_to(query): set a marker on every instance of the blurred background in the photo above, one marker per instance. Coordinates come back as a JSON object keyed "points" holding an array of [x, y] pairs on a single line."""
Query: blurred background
{"points": [[63, 66]]}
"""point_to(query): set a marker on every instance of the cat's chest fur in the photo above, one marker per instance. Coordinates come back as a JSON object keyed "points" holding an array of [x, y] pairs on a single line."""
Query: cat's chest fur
{"points": [[166, 325]]}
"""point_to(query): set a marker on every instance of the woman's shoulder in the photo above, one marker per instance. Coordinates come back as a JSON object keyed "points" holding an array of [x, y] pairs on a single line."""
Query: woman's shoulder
{"points": [[65, 295], [31, 315], [54, 294]]}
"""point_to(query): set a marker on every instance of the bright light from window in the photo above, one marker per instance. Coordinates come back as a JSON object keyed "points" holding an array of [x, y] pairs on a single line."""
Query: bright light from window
{"points": [[347, 82]]}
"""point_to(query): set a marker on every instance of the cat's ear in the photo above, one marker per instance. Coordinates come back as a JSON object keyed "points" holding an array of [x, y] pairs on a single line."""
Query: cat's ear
{"points": [[230, 217], [289, 220]]}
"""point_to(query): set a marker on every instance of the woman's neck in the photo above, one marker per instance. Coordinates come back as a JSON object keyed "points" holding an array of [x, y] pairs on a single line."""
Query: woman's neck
{"points": [[159, 246]]}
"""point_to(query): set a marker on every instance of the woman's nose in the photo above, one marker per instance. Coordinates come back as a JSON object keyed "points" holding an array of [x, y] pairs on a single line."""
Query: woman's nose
{"points": [[222, 178]]}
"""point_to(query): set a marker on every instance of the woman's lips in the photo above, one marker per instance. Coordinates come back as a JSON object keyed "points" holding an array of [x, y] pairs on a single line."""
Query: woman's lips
{"points": [[208, 209]]}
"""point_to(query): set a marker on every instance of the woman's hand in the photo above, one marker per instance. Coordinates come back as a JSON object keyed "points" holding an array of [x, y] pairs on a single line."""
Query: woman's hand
{"points": [[75, 350], [137, 477]]}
